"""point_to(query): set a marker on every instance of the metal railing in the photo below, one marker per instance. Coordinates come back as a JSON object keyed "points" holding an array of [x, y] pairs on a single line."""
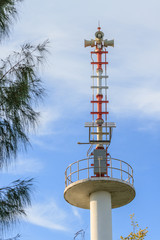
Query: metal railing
{"points": [[84, 169]]}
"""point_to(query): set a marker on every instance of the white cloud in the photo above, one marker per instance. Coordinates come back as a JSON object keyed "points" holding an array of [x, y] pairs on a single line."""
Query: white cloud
{"points": [[137, 100], [42, 143], [76, 213], [24, 165], [50, 215], [47, 117]]}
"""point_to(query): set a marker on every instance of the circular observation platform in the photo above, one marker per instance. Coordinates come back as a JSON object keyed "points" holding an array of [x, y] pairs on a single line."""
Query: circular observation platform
{"points": [[80, 182]]}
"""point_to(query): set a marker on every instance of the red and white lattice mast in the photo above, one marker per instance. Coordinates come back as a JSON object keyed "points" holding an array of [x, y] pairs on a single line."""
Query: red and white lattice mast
{"points": [[103, 131], [99, 182]]}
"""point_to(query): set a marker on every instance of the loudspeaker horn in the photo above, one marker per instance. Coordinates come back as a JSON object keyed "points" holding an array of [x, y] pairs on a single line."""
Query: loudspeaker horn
{"points": [[89, 43], [108, 43]]}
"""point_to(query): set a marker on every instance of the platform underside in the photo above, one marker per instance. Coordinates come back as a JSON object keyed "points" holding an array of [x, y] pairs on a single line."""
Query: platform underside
{"points": [[78, 193]]}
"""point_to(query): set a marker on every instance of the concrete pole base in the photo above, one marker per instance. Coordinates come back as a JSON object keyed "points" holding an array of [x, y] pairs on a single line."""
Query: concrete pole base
{"points": [[100, 216]]}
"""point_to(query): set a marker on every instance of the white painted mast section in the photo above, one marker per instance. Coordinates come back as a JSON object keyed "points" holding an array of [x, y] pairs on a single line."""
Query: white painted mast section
{"points": [[99, 81], [100, 216]]}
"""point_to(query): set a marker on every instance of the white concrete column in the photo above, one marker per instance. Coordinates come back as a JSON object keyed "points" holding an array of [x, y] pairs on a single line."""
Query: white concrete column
{"points": [[100, 216]]}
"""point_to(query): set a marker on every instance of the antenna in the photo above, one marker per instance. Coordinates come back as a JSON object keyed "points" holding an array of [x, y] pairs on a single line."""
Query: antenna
{"points": [[99, 28]]}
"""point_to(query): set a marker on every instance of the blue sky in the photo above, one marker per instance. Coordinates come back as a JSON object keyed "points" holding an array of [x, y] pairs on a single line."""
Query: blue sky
{"points": [[134, 95]]}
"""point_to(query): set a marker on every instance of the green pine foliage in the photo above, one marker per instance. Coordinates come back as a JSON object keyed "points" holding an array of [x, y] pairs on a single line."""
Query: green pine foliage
{"points": [[13, 238], [20, 91], [13, 200], [8, 13]]}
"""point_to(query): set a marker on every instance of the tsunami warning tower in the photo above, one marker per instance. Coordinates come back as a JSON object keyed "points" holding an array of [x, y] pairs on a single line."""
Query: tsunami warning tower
{"points": [[99, 182]]}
